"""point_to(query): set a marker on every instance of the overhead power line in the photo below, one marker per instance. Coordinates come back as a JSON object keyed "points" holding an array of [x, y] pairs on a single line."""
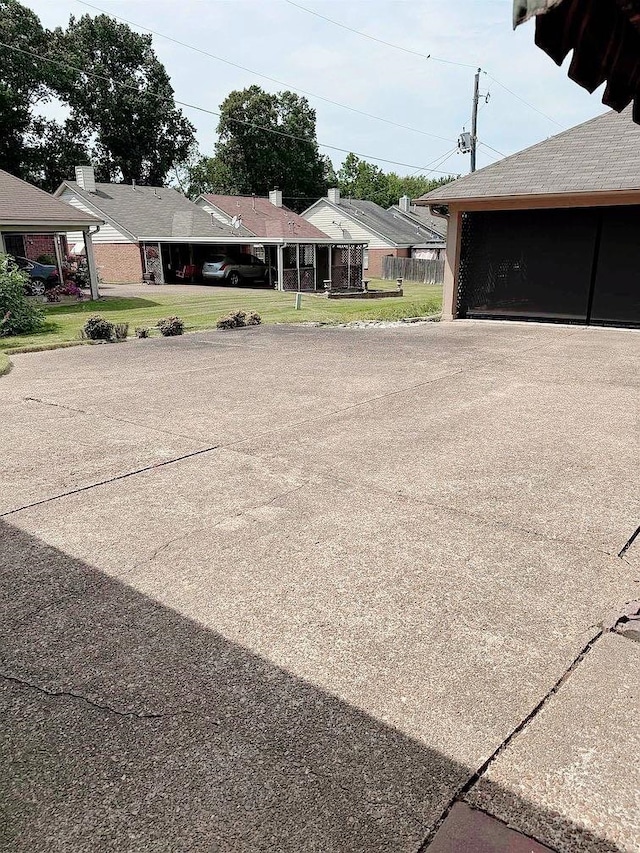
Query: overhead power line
{"points": [[189, 106], [428, 56], [495, 150], [260, 74], [378, 40]]}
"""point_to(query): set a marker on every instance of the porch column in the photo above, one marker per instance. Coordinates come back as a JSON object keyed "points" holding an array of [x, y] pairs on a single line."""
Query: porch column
{"points": [[451, 264], [280, 252], [298, 263], [3, 248], [315, 267], [56, 246], [91, 263]]}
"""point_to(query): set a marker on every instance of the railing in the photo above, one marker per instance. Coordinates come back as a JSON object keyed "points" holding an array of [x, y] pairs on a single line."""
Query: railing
{"points": [[413, 269]]}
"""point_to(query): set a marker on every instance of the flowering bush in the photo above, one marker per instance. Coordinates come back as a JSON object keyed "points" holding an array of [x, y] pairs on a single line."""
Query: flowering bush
{"points": [[98, 329], [66, 289]]}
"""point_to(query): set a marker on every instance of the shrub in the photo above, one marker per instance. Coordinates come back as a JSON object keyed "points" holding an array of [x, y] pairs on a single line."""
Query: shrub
{"points": [[142, 331], [121, 331], [66, 289], [20, 315], [170, 326], [239, 318], [226, 323], [98, 329], [48, 259], [254, 319]]}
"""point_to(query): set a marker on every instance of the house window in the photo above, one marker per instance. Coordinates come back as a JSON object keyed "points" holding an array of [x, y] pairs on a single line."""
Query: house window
{"points": [[365, 259]]}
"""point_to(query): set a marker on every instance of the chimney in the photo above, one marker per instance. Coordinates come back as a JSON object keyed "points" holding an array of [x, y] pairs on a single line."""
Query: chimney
{"points": [[334, 195], [275, 197], [86, 178], [405, 204]]}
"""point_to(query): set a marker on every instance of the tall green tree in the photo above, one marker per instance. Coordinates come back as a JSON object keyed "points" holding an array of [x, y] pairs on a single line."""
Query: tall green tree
{"points": [[124, 97], [265, 140], [23, 84]]}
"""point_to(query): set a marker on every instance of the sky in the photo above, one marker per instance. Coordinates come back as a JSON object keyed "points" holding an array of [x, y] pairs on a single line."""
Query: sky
{"points": [[431, 96]]}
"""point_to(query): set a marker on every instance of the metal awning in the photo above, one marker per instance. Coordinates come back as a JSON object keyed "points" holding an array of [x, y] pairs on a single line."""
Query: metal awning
{"points": [[604, 36]]}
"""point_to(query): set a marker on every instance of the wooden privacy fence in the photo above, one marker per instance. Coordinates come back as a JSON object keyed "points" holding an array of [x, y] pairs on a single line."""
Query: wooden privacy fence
{"points": [[413, 269]]}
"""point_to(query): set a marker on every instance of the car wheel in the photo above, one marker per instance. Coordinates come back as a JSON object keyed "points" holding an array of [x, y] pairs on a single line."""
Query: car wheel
{"points": [[234, 279], [37, 286]]}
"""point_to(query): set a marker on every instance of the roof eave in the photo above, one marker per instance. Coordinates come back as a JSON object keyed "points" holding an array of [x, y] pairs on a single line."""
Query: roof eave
{"points": [[565, 199]]}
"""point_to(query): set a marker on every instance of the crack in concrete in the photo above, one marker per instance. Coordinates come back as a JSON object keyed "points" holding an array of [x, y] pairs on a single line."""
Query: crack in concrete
{"points": [[104, 416], [70, 694], [629, 542], [115, 479], [480, 772]]}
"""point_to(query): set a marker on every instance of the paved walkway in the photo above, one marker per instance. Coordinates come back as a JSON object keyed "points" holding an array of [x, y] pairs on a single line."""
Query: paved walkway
{"points": [[301, 589]]}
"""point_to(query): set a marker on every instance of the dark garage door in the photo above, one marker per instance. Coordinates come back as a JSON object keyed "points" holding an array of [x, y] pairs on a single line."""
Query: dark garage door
{"points": [[575, 265]]}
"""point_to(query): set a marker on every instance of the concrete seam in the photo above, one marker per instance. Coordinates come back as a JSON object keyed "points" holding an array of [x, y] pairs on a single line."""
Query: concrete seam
{"points": [[480, 772], [70, 694], [112, 479], [103, 416]]}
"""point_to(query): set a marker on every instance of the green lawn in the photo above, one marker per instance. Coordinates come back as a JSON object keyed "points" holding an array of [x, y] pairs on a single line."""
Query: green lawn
{"points": [[199, 312]]}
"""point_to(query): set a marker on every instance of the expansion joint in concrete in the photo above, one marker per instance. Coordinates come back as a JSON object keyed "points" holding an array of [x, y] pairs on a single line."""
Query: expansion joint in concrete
{"points": [[480, 772]]}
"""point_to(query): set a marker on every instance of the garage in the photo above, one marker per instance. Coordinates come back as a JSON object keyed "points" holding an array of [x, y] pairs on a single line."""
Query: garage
{"points": [[549, 234]]}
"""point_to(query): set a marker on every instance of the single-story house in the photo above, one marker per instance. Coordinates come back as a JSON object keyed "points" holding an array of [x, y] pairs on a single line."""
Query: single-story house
{"points": [[551, 233], [386, 232], [303, 256], [432, 249], [32, 223], [152, 231]]}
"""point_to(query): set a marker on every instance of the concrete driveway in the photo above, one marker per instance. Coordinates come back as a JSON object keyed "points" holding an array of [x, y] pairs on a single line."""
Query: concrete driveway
{"points": [[313, 589]]}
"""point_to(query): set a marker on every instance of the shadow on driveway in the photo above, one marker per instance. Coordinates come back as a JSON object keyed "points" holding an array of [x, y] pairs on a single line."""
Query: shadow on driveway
{"points": [[129, 727]]}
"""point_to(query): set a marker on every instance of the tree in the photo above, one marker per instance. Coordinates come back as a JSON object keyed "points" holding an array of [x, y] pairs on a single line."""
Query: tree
{"points": [[23, 83], [123, 97], [264, 141], [359, 179]]}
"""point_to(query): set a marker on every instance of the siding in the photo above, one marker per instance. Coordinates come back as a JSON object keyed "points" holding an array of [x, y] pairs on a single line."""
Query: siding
{"points": [[106, 234], [323, 216], [225, 220]]}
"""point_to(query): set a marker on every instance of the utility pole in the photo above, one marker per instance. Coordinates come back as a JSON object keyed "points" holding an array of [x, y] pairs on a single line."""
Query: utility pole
{"points": [[474, 120]]}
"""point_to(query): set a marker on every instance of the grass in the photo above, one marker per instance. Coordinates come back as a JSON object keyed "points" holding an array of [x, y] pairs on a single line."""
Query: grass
{"points": [[5, 363], [63, 322]]}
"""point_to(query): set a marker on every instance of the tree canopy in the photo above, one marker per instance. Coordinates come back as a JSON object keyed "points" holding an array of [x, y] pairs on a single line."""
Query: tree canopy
{"points": [[265, 140], [121, 109], [358, 179]]}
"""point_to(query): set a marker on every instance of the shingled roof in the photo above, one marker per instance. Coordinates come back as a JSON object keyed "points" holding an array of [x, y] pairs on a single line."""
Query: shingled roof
{"points": [[601, 155], [154, 213], [22, 204], [263, 219], [389, 224]]}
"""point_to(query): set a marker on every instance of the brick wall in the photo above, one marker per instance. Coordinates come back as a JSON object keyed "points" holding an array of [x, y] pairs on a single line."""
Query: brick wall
{"points": [[39, 244], [375, 260], [118, 263]]}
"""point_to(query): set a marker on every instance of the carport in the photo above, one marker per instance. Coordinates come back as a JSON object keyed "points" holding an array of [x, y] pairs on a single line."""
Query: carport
{"points": [[550, 233], [27, 210]]}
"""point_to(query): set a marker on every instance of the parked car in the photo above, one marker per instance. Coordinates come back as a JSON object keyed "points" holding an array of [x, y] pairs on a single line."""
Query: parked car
{"points": [[233, 270], [42, 276]]}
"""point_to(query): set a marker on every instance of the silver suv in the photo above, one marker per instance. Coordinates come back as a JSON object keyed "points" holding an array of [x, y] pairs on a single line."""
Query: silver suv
{"points": [[233, 270]]}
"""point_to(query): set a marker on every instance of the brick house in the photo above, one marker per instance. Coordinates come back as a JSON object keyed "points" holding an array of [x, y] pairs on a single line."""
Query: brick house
{"points": [[147, 230], [387, 232]]}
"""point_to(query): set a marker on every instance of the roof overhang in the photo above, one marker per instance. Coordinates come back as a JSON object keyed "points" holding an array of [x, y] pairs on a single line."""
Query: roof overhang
{"points": [[610, 198], [46, 226], [604, 37], [256, 241]]}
